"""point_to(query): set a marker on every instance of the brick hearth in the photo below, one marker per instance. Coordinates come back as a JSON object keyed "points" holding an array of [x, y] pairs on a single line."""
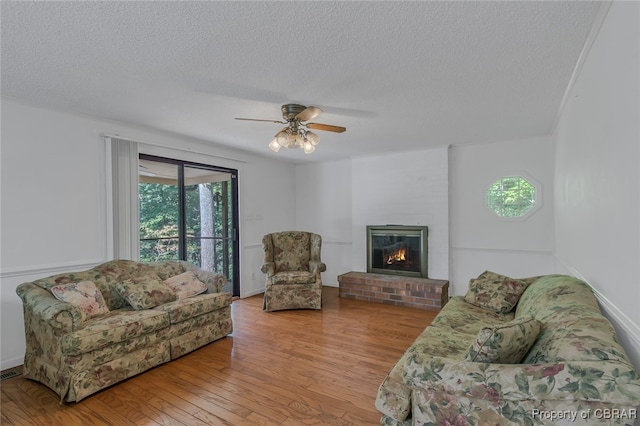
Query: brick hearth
{"points": [[422, 293]]}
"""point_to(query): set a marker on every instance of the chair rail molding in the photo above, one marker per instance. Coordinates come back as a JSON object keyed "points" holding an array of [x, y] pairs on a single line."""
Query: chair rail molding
{"points": [[499, 250], [50, 269]]}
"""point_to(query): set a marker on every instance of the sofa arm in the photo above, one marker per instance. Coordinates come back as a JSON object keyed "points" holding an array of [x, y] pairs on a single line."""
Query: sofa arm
{"points": [[214, 281], [269, 268], [606, 381], [46, 308]]}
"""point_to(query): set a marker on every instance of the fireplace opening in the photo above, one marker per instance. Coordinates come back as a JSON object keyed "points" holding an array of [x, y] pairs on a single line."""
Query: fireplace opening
{"points": [[397, 249], [396, 253]]}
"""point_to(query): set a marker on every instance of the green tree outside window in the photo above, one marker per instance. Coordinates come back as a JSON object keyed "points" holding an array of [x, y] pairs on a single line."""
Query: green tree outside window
{"points": [[511, 196]]}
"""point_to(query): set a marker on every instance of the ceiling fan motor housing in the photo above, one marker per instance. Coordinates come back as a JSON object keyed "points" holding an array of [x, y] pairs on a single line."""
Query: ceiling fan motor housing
{"points": [[289, 111]]}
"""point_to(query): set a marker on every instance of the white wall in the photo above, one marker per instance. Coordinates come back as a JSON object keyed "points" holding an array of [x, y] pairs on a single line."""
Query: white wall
{"points": [[339, 199], [53, 218], [406, 188], [413, 188], [323, 206], [480, 239], [597, 189]]}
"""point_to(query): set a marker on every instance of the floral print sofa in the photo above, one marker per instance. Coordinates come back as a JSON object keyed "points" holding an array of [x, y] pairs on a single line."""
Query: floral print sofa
{"points": [[88, 330], [523, 352]]}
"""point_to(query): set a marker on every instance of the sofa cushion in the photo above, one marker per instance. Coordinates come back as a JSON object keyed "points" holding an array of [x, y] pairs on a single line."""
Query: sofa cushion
{"points": [[496, 292], [84, 295], [186, 285], [115, 327], [108, 274], [467, 317], [183, 309], [166, 269], [448, 337], [574, 327], [506, 343], [145, 295]]}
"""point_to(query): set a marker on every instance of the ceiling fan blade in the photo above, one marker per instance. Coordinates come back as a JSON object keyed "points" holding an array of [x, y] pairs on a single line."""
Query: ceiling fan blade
{"points": [[326, 127], [308, 113], [257, 119]]}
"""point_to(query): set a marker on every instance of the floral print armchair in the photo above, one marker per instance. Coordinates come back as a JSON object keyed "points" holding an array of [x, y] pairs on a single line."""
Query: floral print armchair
{"points": [[293, 266]]}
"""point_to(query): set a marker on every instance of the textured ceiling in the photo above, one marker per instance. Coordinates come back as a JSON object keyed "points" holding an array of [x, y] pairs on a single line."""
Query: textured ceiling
{"points": [[398, 75]]}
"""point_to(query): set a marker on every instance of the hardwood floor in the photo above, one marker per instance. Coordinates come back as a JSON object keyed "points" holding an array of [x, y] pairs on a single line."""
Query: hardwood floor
{"points": [[281, 368]]}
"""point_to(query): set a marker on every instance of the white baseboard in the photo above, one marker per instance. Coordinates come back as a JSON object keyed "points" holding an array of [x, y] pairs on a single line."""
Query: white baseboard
{"points": [[10, 363], [252, 293]]}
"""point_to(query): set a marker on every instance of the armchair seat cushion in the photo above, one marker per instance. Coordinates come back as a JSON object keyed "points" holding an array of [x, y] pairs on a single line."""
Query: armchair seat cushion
{"points": [[293, 277]]}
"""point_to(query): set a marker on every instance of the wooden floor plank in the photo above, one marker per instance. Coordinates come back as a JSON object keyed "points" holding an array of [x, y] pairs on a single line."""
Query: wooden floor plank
{"points": [[300, 367]]}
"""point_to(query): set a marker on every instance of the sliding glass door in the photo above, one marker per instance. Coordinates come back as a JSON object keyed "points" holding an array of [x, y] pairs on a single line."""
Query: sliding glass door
{"points": [[189, 211]]}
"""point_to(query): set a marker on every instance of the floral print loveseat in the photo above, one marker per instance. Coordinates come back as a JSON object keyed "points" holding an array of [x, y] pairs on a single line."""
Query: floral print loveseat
{"points": [[563, 364], [88, 330]]}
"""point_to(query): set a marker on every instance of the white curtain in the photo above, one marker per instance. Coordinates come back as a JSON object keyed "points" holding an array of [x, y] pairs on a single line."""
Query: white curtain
{"points": [[122, 199]]}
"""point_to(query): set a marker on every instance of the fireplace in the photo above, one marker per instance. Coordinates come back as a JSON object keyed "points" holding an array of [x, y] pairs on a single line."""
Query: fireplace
{"points": [[397, 250]]}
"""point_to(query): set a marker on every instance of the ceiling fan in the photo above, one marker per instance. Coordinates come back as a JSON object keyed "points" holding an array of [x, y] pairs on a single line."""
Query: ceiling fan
{"points": [[295, 134]]}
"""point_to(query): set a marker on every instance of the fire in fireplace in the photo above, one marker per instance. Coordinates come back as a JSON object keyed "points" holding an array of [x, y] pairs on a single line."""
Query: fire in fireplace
{"points": [[397, 250], [395, 255]]}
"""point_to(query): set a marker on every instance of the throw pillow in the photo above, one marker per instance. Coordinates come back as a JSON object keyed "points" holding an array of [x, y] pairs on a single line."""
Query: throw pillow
{"points": [[84, 295], [505, 344], [145, 295], [495, 292], [186, 285]]}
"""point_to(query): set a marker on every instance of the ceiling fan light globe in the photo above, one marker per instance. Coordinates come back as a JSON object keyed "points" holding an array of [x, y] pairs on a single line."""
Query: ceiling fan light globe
{"points": [[308, 148], [282, 138], [296, 140], [312, 137], [274, 145]]}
